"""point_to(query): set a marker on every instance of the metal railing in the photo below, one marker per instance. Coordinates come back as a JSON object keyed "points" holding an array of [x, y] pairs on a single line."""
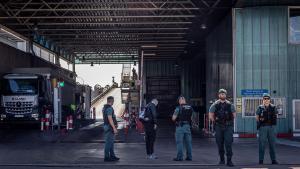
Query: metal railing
{"points": [[102, 94]]}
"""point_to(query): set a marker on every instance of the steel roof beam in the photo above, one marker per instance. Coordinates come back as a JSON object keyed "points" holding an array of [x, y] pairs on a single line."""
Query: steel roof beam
{"points": [[102, 29], [103, 23], [125, 41], [97, 17], [108, 34], [101, 9], [104, 3], [121, 38]]}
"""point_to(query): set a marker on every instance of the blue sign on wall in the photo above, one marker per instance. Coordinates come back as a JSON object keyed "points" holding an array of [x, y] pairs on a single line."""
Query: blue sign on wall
{"points": [[254, 92]]}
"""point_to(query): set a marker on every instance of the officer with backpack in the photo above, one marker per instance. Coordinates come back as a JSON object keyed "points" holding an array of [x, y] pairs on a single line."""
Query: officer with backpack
{"points": [[110, 130], [222, 114], [150, 125], [183, 118], [266, 117]]}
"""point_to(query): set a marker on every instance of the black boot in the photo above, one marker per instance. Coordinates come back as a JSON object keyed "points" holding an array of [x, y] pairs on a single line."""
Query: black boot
{"points": [[274, 162], [229, 162], [222, 160], [261, 162]]}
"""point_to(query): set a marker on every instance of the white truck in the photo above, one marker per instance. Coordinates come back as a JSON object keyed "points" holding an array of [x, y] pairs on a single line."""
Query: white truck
{"points": [[25, 91]]}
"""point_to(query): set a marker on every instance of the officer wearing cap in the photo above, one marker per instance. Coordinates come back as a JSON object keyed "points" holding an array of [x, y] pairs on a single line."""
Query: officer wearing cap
{"points": [[266, 117], [110, 130], [222, 113], [183, 118]]}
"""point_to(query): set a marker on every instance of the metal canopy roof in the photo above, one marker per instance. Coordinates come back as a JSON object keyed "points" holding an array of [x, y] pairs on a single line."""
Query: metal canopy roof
{"points": [[113, 31]]}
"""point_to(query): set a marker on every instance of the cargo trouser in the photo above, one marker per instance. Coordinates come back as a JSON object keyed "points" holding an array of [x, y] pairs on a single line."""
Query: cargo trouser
{"points": [[224, 136], [109, 138], [183, 138], [150, 136], [267, 134]]}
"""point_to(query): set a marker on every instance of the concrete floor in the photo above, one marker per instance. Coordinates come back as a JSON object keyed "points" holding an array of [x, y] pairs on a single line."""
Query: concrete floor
{"points": [[28, 148]]}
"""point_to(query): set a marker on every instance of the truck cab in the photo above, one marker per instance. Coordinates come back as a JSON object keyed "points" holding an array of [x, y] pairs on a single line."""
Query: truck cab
{"points": [[23, 97]]}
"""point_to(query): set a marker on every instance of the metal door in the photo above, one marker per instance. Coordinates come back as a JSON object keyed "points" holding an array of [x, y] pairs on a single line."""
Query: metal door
{"points": [[296, 115]]}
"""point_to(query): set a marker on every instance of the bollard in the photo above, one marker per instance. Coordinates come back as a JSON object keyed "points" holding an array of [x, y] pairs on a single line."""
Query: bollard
{"points": [[70, 122], [126, 124], [47, 120], [94, 113], [42, 124], [67, 123]]}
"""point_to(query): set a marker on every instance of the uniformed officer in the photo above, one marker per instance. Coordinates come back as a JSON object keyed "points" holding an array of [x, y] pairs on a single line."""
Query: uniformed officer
{"points": [[183, 118], [222, 113], [110, 130], [266, 117]]}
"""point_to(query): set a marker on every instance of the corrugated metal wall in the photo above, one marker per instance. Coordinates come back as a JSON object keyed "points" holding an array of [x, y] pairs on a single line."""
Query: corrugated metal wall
{"points": [[219, 63], [193, 79], [265, 60], [191, 73], [160, 68]]}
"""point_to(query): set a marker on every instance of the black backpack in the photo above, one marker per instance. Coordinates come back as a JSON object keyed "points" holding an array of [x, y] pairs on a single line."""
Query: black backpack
{"points": [[146, 114]]}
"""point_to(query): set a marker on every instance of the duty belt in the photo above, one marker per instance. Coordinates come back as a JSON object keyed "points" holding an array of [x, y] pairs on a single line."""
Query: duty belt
{"points": [[181, 123], [225, 123], [266, 124]]}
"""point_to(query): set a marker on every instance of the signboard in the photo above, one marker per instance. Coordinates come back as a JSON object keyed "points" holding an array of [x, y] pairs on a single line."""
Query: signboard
{"points": [[239, 109], [238, 101], [254, 92]]}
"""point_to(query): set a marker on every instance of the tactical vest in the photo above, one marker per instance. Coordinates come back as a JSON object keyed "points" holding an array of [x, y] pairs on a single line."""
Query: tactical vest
{"points": [[185, 113], [268, 115], [223, 113], [105, 117]]}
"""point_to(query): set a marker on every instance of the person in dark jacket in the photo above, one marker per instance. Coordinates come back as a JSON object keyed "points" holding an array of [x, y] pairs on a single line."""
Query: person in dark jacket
{"points": [[150, 126]]}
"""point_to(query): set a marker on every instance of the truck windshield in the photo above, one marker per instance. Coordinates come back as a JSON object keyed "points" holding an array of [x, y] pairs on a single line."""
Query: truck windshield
{"points": [[20, 86]]}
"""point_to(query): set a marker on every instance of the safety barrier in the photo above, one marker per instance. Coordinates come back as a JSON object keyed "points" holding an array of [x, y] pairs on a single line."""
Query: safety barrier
{"points": [[69, 122], [42, 124], [126, 121], [45, 121]]}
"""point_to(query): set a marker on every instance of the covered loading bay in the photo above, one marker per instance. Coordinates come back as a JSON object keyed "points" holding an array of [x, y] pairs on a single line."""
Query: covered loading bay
{"points": [[190, 47], [118, 31]]}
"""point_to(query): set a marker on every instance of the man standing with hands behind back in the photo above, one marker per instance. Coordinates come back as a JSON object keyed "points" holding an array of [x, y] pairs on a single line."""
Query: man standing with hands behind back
{"points": [[110, 130]]}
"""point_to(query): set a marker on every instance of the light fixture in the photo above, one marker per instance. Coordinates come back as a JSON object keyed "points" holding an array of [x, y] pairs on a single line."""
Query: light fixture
{"points": [[149, 54], [92, 63], [203, 26], [35, 27], [149, 46]]}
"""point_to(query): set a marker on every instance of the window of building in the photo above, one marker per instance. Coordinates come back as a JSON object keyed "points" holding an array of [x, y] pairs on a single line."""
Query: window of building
{"points": [[250, 104], [294, 25]]}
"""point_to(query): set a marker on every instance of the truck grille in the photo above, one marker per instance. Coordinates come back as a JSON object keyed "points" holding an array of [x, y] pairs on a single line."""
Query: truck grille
{"points": [[18, 107]]}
